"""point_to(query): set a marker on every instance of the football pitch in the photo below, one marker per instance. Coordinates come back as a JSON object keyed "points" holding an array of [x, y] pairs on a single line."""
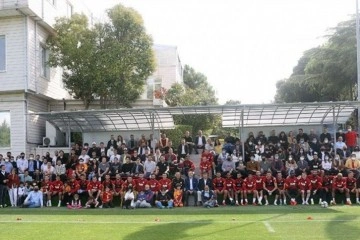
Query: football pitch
{"points": [[249, 222]]}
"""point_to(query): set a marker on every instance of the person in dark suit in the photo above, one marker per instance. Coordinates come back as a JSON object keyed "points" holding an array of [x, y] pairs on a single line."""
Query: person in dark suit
{"points": [[200, 142], [137, 168], [112, 142], [183, 149], [191, 188], [37, 164], [3, 182]]}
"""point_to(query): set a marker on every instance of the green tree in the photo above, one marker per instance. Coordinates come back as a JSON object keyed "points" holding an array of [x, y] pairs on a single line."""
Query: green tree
{"points": [[324, 73], [110, 61], [195, 91], [5, 134]]}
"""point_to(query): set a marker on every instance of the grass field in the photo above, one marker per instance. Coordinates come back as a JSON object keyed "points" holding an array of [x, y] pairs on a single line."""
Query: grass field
{"points": [[265, 222]]}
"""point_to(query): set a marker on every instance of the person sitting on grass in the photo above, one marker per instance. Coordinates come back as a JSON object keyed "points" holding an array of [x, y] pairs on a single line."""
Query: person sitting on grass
{"points": [[163, 199], [34, 199], [208, 198], [144, 198], [129, 198], [75, 203], [107, 198]]}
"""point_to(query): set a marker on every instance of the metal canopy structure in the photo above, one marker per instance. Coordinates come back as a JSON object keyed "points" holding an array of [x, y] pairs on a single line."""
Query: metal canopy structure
{"points": [[232, 116]]}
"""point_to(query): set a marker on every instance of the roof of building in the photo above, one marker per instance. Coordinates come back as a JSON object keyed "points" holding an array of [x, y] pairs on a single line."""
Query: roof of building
{"points": [[245, 115]]}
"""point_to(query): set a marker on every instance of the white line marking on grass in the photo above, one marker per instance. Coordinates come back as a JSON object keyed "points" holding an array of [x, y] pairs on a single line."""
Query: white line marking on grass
{"points": [[269, 227], [167, 222]]}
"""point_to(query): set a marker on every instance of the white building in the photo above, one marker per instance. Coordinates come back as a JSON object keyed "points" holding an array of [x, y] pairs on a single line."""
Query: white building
{"points": [[27, 83]]}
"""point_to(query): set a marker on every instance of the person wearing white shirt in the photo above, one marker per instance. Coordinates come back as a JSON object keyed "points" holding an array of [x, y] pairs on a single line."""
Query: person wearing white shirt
{"points": [[115, 155], [22, 164], [326, 164], [340, 144], [157, 156], [84, 156], [54, 158], [110, 152], [149, 166], [34, 199]]}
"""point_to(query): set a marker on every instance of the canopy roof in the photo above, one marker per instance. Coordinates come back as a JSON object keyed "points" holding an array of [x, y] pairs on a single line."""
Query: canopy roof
{"points": [[251, 115]]}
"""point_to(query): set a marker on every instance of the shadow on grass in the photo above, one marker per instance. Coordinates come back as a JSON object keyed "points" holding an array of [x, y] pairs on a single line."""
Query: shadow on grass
{"points": [[177, 211], [340, 228], [171, 231]]}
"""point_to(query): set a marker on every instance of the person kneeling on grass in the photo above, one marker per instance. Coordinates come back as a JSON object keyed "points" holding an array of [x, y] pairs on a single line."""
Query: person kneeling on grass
{"points": [[34, 199], [208, 197], [163, 199], [75, 203], [144, 198]]}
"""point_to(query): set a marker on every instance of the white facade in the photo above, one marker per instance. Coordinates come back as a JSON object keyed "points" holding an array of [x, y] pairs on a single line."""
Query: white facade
{"points": [[27, 84]]}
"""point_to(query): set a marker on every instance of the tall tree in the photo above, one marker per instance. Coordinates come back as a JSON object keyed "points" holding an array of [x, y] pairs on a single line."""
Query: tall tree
{"points": [[195, 91], [110, 61], [325, 73]]}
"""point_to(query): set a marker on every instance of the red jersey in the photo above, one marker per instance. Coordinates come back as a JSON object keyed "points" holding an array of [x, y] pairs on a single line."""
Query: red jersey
{"points": [[326, 182], [126, 184], [208, 156], [154, 185], [57, 186], [339, 183], [238, 184], [249, 184], [350, 138], [106, 196], [95, 186], [140, 184], [205, 166], [304, 184], [107, 183], [229, 184], [316, 182], [118, 184], [14, 181], [83, 184], [219, 183], [280, 182], [291, 183], [269, 183], [259, 182], [187, 164], [350, 183], [74, 186], [45, 186], [166, 183]]}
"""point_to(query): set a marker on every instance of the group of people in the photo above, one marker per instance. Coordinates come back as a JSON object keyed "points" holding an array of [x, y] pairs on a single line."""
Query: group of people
{"points": [[147, 172]]}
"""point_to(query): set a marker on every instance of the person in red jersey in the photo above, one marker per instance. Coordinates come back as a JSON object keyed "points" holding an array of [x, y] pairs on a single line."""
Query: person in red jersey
{"points": [[316, 185], [154, 184], [209, 157], [357, 191], [259, 186], [188, 165], [129, 182], [350, 187], [107, 182], [205, 165], [83, 183], [338, 186], [325, 191], [165, 182], [107, 198], [270, 187], [238, 189], [118, 187], [219, 184], [45, 188], [56, 188], [70, 189], [351, 138], [280, 183], [250, 188], [95, 188], [140, 183], [291, 188], [229, 188], [304, 186]]}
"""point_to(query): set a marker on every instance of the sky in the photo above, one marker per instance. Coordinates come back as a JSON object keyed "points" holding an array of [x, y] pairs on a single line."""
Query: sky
{"points": [[243, 46]]}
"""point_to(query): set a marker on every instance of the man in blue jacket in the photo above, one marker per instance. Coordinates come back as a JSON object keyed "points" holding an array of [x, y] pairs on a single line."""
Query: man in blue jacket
{"points": [[191, 188]]}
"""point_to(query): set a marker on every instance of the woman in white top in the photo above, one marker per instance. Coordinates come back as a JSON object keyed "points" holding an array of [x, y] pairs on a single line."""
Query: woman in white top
{"points": [[209, 145], [129, 199]]}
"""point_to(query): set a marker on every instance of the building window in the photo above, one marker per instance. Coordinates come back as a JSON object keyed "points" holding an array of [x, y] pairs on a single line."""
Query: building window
{"points": [[2, 54], [5, 129], [44, 58]]}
